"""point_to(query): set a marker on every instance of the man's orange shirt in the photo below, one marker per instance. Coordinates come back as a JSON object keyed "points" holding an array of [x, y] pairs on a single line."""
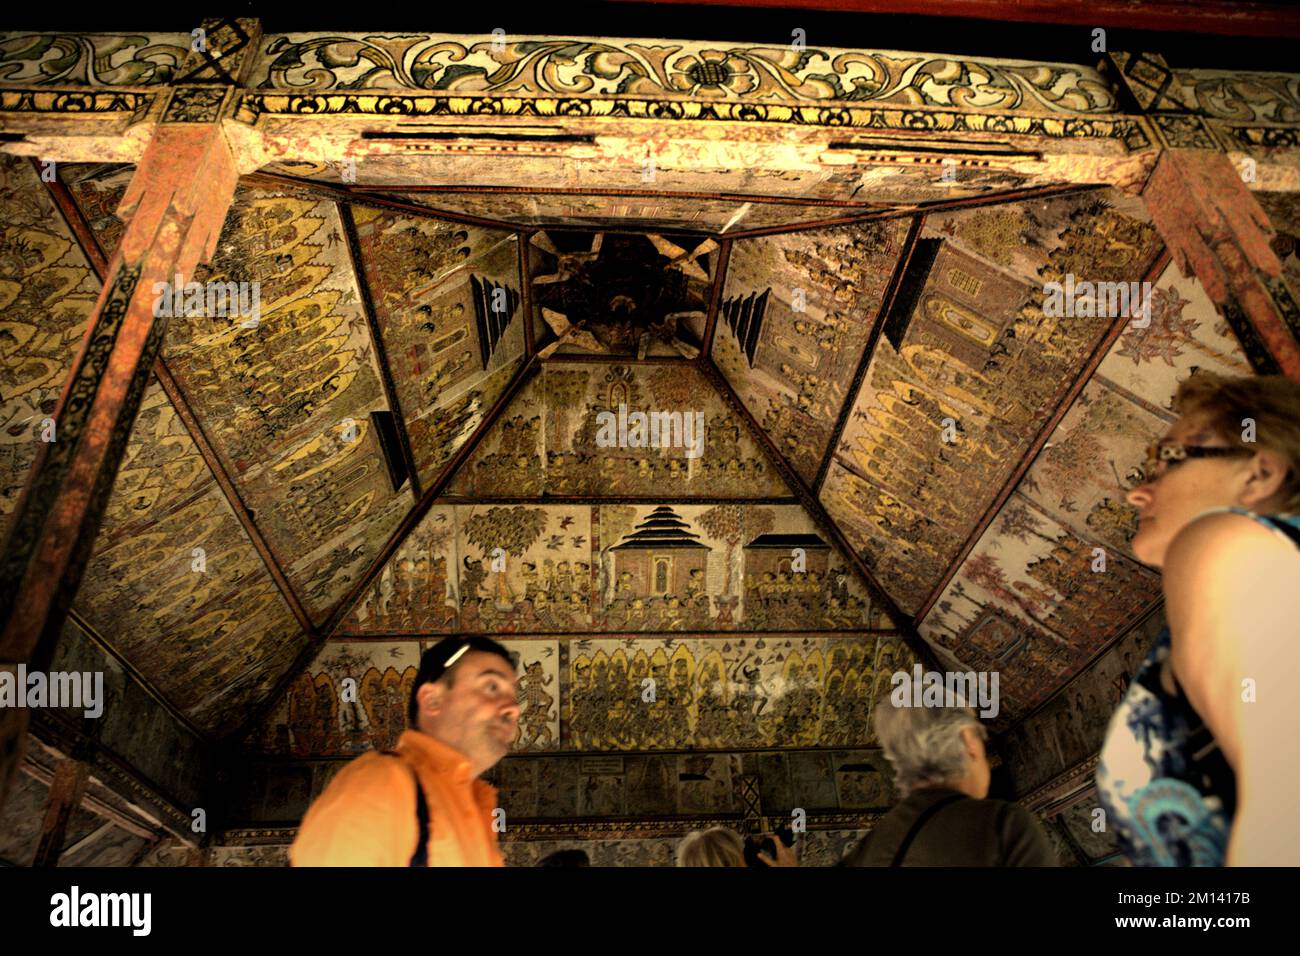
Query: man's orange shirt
{"points": [[367, 814]]}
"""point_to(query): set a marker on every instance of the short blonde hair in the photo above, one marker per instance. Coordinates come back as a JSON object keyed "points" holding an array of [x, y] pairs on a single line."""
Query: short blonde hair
{"points": [[1271, 401], [715, 847]]}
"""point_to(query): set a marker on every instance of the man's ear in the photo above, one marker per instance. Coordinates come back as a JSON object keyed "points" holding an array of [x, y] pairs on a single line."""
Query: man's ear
{"points": [[428, 699], [1265, 478]]}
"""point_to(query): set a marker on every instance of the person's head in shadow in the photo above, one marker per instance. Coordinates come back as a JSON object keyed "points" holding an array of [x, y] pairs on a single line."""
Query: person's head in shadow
{"points": [[934, 747], [714, 847]]}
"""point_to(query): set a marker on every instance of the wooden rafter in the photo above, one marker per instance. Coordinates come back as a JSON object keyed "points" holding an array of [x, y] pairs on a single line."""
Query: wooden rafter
{"points": [[715, 300], [869, 349], [357, 263], [524, 240]]}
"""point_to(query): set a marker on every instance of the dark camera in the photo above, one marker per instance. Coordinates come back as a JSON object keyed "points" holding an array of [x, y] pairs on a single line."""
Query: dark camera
{"points": [[757, 843]]}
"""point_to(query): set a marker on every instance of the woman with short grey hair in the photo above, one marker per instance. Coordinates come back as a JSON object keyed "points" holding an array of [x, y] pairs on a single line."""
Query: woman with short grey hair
{"points": [[942, 771], [931, 746]]}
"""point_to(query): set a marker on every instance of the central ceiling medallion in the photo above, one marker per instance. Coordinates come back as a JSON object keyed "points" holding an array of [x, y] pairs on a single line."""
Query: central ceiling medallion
{"points": [[622, 294]]}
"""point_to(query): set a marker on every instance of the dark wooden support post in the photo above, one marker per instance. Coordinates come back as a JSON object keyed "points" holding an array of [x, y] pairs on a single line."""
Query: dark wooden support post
{"points": [[1217, 231], [66, 790], [174, 209]]}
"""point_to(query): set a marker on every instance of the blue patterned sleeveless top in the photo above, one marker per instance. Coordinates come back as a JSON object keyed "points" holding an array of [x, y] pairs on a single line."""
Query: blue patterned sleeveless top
{"points": [[1169, 792]]}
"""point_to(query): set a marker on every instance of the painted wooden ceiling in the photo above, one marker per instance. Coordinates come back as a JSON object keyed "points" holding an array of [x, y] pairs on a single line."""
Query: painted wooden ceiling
{"points": [[321, 495]]}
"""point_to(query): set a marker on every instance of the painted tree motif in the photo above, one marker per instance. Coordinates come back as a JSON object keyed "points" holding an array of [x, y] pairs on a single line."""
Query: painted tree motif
{"points": [[984, 570], [616, 523], [759, 521], [732, 523], [565, 391], [514, 530], [1019, 522], [1067, 463], [1113, 520], [724, 522], [1168, 333], [671, 388]]}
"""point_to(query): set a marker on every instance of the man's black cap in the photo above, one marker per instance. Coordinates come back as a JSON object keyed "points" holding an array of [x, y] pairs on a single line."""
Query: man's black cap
{"points": [[440, 658]]}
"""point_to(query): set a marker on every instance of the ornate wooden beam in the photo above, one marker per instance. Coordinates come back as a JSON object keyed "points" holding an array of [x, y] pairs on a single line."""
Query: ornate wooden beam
{"points": [[1217, 231], [66, 789]]}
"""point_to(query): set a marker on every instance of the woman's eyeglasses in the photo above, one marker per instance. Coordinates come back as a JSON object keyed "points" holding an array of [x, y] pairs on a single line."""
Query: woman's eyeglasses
{"points": [[1164, 455]]}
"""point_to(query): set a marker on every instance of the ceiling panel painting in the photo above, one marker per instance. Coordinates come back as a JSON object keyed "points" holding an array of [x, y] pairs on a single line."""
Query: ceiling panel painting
{"points": [[175, 585], [1187, 333], [795, 316], [416, 591], [778, 690], [962, 379], [551, 439], [452, 326], [286, 397], [1095, 456], [556, 568], [1035, 602], [98, 189], [47, 292], [1283, 211], [1090, 463], [657, 569], [1075, 494]]}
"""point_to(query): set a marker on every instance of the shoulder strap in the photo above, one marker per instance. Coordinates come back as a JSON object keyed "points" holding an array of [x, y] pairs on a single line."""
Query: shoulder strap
{"points": [[921, 821], [1283, 527], [421, 855]]}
